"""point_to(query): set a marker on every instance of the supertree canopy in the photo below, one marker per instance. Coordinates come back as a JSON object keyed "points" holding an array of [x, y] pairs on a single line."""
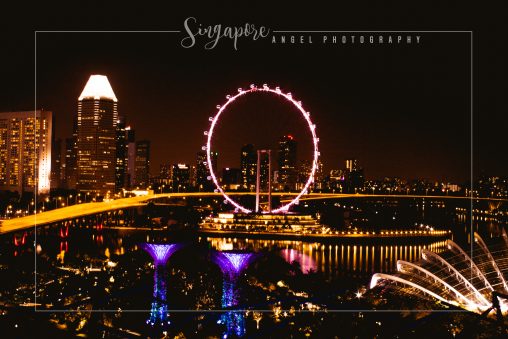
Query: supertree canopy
{"points": [[233, 263], [160, 254]]}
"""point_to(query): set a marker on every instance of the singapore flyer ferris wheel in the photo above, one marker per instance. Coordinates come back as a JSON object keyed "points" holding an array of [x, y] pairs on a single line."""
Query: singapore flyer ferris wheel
{"points": [[214, 120]]}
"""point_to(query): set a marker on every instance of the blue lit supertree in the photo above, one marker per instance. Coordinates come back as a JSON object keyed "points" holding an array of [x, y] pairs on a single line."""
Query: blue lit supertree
{"points": [[160, 254], [232, 265]]}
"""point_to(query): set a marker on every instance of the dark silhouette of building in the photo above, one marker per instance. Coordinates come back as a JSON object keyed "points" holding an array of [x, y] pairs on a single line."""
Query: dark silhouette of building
{"points": [[248, 164], [231, 178], [121, 154], [202, 173], [287, 175], [70, 162], [57, 167], [142, 163], [354, 178], [130, 163], [180, 177]]}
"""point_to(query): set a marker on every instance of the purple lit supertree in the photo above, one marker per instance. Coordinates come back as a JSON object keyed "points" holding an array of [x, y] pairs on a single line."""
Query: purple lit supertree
{"points": [[232, 264], [160, 254]]}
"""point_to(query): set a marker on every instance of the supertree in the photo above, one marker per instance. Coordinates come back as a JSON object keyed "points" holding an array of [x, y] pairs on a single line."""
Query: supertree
{"points": [[232, 264], [160, 254]]}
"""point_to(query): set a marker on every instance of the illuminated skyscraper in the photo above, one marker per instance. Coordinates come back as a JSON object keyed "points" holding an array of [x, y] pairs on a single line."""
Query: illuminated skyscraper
{"points": [[96, 137], [25, 151], [287, 175], [180, 177], [304, 172], [248, 164], [142, 163]]}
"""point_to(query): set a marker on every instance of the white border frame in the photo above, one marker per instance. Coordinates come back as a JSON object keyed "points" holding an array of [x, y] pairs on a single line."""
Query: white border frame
{"points": [[270, 311]]}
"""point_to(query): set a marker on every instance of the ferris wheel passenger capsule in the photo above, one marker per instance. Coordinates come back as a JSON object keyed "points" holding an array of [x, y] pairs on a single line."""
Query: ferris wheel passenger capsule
{"points": [[240, 90], [252, 86], [277, 89], [205, 132], [265, 86], [218, 106], [208, 178], [203, 148], [228, 96], [210, 119]]}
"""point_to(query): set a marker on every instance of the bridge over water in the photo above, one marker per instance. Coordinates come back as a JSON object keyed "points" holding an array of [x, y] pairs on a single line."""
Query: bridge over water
{"points": [[86, 209]]}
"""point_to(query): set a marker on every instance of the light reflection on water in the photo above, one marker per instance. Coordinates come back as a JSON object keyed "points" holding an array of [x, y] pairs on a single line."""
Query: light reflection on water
{"points": [[335, 260]]}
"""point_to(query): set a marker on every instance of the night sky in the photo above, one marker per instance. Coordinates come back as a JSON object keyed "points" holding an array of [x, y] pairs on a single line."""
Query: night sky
{"points": [[401, 110]]}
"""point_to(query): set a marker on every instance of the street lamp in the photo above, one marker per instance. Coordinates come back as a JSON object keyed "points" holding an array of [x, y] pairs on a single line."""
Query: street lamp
{"points": [[56, 201]]}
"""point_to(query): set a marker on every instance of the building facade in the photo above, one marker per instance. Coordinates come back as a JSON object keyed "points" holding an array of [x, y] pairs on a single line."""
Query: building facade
{"points": [[96, 137], [248, 167], [25, 151], [202, 173], [180, 177], [142, 163], [287, 176], [121, 155], [130, 139]]}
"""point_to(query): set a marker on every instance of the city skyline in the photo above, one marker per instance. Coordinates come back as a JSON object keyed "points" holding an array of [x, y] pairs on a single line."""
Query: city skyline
{"points": [[357, 114]]}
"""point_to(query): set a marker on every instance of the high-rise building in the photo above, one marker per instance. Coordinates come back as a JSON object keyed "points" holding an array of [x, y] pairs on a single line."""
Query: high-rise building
{"points": [[304, 172], [231, 178], [121, 154], [351, 165], [130, 163], [25, 151], [70, 163], [248, 165], [264, 168], [180, 177], [96, 138], [142, 165], [287, 177], [202, 172], [354, 178], [165, 171], [192, 176], [57, 164]]}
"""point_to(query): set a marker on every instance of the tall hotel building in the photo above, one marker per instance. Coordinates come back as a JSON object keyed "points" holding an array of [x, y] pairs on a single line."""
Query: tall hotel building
{"points": [[287, 163], [96, 137], [25, 151]]}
